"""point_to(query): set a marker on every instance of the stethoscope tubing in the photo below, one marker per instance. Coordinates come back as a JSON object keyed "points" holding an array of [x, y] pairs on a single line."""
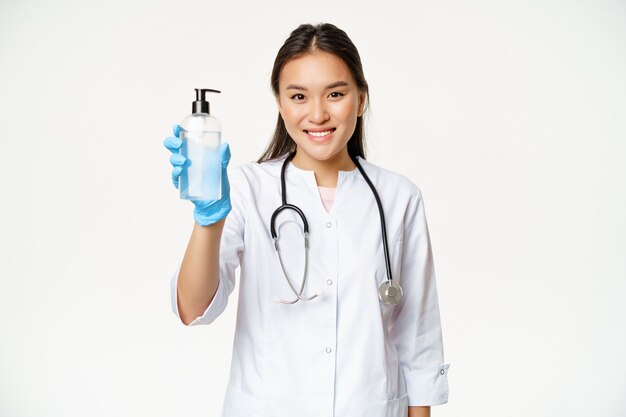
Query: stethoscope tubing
{"points": [[382, 215], [286, 206]]}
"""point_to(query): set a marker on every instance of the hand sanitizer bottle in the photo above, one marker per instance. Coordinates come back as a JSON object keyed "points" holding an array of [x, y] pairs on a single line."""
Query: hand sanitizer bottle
{"points": [[201, 178]]}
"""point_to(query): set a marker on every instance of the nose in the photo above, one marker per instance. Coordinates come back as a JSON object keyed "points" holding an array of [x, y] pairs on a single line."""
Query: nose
{"points": [[317, 112]]}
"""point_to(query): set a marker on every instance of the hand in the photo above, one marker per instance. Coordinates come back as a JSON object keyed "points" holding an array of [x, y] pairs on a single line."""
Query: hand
{"points": [[206, 212]]}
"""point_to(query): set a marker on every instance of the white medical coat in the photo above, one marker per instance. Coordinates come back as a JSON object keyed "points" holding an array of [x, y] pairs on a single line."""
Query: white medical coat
{"points": [[345, 353]]}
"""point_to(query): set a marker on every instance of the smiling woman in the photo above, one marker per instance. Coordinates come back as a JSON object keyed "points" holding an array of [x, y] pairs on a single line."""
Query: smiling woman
{"points": [[319, 102], [365, 344], [320, 68]]}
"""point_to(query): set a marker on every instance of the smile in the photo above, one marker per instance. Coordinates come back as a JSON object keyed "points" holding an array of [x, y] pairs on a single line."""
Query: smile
{"points": [[320, 135]]}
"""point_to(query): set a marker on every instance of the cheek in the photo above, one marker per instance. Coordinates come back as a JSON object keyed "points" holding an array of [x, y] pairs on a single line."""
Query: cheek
{"points": [[291, 115], [347, 111]]}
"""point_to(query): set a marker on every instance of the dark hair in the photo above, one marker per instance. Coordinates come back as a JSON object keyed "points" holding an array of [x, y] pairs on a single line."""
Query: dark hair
{"points": [[306, 39]]}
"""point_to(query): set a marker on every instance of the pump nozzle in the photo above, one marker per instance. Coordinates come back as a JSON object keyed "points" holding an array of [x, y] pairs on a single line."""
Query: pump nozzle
{"points": [[201, 105]]}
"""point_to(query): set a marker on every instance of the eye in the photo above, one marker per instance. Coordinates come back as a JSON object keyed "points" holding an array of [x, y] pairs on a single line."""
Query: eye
{"points": [[338, 94], [298, 96]]}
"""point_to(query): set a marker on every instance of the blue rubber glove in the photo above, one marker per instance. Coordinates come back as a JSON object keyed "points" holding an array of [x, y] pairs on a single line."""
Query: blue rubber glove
{"points": [[206, 212]]}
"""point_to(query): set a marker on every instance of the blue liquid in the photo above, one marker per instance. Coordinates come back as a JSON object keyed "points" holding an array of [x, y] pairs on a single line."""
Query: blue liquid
{"points": [[201, 178]]}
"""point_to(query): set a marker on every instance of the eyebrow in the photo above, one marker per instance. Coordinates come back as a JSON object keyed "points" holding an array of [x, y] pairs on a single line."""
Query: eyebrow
{"points": [[333, 85]]}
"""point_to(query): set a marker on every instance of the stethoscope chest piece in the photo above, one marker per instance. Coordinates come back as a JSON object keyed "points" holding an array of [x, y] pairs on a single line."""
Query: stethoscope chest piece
{"points": [[390, 292]]}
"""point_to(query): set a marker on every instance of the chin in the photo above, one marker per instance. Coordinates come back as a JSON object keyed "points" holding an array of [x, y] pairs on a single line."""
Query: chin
{"points": [[321, 155]]}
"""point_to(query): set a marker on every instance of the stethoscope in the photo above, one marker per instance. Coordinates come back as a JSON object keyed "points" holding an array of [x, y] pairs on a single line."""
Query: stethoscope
{"points": [[389, 291]]}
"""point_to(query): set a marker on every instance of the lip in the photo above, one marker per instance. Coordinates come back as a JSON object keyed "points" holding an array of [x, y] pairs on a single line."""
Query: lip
{"points": [[317, 138]]}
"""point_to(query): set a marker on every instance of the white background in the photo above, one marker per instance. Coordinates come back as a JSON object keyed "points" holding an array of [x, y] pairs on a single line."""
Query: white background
{"points": [[509, 115]]}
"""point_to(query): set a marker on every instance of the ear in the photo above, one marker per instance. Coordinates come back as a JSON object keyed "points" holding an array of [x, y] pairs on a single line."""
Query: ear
{"points": [[362, 97]]}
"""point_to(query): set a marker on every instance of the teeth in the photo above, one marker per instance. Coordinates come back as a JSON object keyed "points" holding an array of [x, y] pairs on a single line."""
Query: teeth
{"points": [[319, 134]]}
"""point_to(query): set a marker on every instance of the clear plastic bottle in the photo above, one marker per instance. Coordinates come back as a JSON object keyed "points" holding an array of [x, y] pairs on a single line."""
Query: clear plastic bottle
{"points": [[201, 178]]}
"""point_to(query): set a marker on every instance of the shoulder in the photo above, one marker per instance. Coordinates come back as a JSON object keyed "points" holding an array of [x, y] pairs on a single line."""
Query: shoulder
{"points": [[252, 175], [254, 172], [390, 180]]}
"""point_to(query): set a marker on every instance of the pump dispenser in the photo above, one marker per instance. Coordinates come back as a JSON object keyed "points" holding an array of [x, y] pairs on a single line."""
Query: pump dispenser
{"points": [[201, 178]]}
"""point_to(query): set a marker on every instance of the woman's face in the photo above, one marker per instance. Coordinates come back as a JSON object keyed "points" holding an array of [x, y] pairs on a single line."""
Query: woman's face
{"points": [[319, 102]]}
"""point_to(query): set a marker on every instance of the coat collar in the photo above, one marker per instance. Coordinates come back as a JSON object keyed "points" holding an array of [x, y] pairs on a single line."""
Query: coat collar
{"points": [[274, 166]]}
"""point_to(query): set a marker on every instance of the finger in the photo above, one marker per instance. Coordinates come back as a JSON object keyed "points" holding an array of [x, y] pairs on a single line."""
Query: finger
{"points": [[173, 143], [177, 160], [176, 175], [177, 129], [225, 154]]}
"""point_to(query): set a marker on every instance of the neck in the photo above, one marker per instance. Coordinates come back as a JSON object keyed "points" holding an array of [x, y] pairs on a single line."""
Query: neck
{"points": [[326, 172]]}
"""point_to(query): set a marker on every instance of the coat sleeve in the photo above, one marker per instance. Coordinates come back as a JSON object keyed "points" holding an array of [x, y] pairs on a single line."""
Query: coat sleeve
{"points": [[415, 328], [231, 249]]}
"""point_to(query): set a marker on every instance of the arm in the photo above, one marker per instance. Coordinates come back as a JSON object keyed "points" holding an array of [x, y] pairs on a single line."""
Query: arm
{"points": [[419, 411], [199, 274], [196, 282], [415, 328]]}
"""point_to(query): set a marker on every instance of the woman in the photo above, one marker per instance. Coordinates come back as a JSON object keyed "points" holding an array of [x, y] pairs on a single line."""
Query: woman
{"points": [[330, 334]]}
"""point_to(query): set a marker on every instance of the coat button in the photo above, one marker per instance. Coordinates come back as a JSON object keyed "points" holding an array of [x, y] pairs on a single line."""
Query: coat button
{"points": [[328, 225], [442, 372], [328, 350], [329, 281]]}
